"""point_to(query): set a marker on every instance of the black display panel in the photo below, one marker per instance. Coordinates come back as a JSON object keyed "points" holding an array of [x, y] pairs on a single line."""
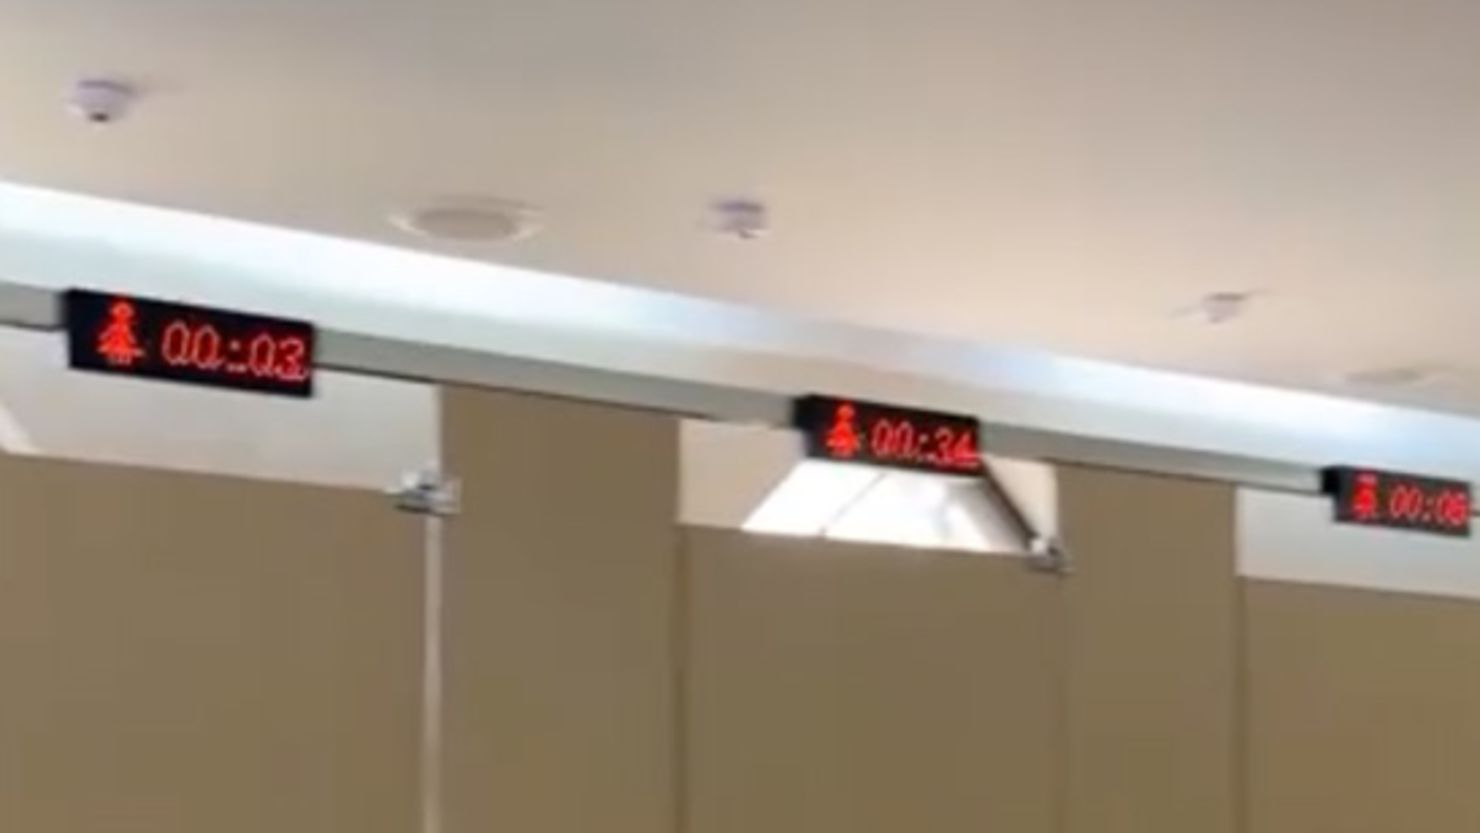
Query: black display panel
{"points": [[851, 431], [1370, 497], [148, 339]]}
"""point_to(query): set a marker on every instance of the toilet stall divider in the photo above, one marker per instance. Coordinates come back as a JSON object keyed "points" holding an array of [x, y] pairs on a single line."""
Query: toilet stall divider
{"points": [[434, 497], [198, 652]]}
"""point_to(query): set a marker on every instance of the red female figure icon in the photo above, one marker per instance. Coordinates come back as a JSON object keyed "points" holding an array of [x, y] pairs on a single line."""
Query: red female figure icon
{"points": [[842, 439], [118, 342]]}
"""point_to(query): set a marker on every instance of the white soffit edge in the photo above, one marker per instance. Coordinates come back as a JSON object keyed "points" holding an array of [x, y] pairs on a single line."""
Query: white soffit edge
{"points": [[55, 240]]}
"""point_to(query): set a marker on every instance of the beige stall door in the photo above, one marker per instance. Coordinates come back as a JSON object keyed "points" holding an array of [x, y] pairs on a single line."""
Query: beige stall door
{"points": [[1152, 630], [1364, 711], [560, 616], [192, 654], [840, 688]]}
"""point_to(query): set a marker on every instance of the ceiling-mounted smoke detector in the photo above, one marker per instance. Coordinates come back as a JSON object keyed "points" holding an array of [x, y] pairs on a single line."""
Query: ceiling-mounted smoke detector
{"points": [[471, 220], [100, 100]]}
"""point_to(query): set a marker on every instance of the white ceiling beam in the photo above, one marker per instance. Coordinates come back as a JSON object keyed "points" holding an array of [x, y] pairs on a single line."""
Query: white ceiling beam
{"points": [[29, 307]]}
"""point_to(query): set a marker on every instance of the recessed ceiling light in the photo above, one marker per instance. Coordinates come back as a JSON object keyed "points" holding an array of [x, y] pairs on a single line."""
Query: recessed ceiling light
{"points": [[471, 220]]}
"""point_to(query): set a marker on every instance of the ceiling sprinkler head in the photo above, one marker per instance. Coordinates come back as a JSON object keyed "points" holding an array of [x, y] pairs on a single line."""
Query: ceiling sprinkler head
{"points": [[741, 218]]}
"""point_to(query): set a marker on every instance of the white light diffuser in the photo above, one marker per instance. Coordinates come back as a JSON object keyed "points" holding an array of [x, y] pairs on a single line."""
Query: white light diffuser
{"points": [[811, 496], [924, 510], [871, 505]]}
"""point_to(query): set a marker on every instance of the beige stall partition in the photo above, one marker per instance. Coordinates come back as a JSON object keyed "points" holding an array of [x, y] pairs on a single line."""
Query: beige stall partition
{"points": [[1152, 642], [560, 618], [192, 654], [1364, 711], [842, 688]]}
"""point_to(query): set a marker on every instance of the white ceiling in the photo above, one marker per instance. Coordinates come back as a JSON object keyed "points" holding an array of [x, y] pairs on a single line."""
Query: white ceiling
{"points": [[1064, 175]]}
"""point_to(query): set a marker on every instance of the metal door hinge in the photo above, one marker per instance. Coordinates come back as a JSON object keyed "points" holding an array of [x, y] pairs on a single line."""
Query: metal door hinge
{"points": [[428, 492]]}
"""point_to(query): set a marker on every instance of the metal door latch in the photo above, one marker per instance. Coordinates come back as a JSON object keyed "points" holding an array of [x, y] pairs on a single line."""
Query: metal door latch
{"points": [[428, 492], [1049, 556]]}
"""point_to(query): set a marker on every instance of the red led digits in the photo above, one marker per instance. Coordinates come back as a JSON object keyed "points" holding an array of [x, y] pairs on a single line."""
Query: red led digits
{"points": [[943, 447], [903, 441], [1410, 503], [292, 359], [261, 355], [881, 439], [175, 345], [1405, 502], [887, 435], [1453, 507], [964, 455], [205, 348]]}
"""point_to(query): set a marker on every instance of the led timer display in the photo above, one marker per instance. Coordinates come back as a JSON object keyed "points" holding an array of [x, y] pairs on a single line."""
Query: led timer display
{"points": [[850, 431], [159, 340], [1400, 501]]}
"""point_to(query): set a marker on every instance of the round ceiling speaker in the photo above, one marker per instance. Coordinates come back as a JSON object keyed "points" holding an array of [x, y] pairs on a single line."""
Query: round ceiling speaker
{"points": [[471, 220]]}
